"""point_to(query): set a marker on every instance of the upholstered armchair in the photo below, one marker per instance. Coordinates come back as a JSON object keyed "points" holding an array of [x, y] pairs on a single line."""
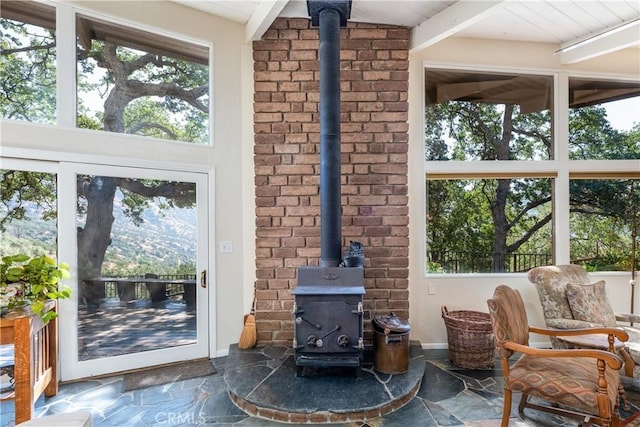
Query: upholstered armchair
{"points": [[577, 383], [570, 299]]}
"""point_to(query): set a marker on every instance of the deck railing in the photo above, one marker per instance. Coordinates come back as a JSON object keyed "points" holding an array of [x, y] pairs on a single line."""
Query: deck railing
{"points": [[140, 289], [473, 262]]}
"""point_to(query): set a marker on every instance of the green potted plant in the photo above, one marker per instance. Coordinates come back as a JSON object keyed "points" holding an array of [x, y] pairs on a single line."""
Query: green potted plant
{"points": [[28, 282]]}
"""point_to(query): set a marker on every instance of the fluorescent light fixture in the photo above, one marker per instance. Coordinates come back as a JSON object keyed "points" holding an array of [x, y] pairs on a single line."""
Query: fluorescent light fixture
{"points": [[566, 47]]}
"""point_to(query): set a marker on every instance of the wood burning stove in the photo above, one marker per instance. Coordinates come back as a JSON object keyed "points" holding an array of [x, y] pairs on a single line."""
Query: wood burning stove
{"points": [[328, 317], [328, 308]]}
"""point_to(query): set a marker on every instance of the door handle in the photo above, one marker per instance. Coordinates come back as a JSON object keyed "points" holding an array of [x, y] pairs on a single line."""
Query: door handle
{"points": [[203, 278]]}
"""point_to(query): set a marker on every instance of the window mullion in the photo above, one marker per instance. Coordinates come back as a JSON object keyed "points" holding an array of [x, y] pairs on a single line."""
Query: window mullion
{"points": [[66, 65], [561, 226]]}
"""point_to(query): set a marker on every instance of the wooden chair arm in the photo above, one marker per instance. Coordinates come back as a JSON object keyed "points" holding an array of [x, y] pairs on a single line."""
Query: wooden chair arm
{"points": [[616, 332], [628, 317], [611, 359]]}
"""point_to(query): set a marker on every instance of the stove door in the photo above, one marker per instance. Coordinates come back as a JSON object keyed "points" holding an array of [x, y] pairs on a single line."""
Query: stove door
{"points": [[328, 324]]}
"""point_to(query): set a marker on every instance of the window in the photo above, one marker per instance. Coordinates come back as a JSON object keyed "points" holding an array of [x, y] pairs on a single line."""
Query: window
{"points": [[604, 124], [488, 225], [28, 62], [604, 119], [136, 82], [604, 223], [128, 80], [472, 116], [492, 171]]}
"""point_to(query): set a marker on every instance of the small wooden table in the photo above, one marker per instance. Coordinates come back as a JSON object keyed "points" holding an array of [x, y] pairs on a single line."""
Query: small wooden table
{"points": [[35, 358]]}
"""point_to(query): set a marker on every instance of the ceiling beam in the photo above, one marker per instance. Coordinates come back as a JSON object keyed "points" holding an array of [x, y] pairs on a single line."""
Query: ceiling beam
{"points": [[261, 19], [611, 40], [451, 20]]}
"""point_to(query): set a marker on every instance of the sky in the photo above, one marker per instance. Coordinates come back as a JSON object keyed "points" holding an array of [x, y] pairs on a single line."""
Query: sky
{"points": [[624, 114]]}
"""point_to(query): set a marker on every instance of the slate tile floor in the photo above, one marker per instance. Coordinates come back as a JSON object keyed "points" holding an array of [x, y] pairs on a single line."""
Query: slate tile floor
{"points": [[449, 396]]}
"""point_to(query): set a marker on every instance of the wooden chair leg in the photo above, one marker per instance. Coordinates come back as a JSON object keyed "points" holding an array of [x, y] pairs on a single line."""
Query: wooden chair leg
{"points": [[622, 395], [506, 408], [523, 403], [629, 364]]}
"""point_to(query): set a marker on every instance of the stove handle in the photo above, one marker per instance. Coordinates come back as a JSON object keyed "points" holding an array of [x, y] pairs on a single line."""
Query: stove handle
{"points": [[336, 328], [301, 319]]}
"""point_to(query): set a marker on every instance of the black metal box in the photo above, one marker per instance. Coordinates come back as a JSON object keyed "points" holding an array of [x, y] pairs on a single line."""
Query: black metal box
{"points": [[328, 316]]}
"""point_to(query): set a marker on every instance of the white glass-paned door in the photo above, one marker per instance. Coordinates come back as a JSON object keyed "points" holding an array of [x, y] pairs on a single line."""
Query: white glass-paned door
{"points": [[139, 251]]}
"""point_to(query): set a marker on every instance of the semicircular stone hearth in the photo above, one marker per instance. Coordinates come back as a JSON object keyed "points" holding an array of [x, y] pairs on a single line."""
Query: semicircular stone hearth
{"points": [[262, 382]]}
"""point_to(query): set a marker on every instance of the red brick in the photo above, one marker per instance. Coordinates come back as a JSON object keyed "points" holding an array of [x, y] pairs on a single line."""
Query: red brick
{"points": [[269, 262], [390, 44], [374, 138], [298, 23], [303, 55]]}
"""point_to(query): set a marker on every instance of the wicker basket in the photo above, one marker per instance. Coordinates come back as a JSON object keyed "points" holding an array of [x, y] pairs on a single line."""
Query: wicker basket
{"points": [[470, 336]]}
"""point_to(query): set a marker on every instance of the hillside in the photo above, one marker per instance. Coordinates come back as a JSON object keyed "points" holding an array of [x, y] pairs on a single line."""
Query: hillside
{"points": [[162, 243]]}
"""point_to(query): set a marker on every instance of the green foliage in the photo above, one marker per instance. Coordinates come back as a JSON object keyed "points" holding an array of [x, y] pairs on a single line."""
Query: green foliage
{"points": [[29, 242], [591, 137], [606, 197], [39, 277], [608, 262], [19, 188], [85, 122], [27, 72], [186, 268]]}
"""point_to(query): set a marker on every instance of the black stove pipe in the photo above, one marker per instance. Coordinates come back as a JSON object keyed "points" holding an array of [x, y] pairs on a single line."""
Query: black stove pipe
{"points": [[330, 16]]}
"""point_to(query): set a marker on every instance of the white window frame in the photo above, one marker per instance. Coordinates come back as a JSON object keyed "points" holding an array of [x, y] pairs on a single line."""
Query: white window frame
{"points": [[66, 65], [559, 168]]}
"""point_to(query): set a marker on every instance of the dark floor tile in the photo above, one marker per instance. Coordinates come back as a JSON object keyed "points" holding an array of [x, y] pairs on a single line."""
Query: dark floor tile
{"points": [[218, 406], [469, 406], [442, 415], [413, 414], [438, 384], [448, 396]]}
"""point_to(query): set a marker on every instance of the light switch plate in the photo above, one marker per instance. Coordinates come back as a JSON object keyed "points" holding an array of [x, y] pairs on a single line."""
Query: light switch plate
{"points": [[226, 247]]}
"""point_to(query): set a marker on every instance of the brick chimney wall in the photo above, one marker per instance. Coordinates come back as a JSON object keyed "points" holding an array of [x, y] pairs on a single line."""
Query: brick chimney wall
{"points": [[374, 145]]}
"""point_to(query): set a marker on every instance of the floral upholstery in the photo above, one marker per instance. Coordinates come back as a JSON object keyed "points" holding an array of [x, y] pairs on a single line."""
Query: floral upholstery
{"points": [[551, 284], [571, 380], [589, 303], [570, 299]]}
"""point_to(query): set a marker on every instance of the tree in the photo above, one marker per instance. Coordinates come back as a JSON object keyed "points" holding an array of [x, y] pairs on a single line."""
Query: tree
{"points": [[147, 93], [144, 87], [19, 187], [502, 216], [27, 72], [489, 132]]}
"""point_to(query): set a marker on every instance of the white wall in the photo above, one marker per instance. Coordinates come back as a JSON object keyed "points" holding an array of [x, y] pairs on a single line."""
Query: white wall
{"points": [[470, 292], [232, 97]]}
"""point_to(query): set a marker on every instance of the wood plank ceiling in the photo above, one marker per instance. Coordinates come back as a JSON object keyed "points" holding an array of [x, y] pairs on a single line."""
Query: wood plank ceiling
{"points": [[582, 29]]}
